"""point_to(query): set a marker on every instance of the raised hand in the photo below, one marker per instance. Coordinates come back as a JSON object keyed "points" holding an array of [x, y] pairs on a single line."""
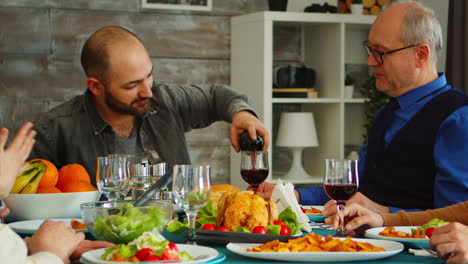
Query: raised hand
{"points": [[12, 158]]}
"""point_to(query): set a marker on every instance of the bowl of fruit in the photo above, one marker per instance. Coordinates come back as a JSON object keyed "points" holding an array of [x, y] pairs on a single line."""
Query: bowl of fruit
{"points": [[48, 206], [121, 221], [42, 192]]}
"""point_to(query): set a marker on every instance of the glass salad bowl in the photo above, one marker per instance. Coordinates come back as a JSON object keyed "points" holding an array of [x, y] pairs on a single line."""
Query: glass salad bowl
{"points": [[121, 222]]}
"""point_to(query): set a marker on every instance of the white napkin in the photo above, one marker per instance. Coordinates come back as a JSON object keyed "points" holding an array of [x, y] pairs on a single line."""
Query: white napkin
{"points": [[421, 253], [283, 195]]}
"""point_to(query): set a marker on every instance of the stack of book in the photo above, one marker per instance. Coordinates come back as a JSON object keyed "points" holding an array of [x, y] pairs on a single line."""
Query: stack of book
{"points": [[294, 93]]}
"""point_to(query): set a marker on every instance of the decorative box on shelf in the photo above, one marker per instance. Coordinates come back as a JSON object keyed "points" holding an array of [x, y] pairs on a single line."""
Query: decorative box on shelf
{"points": [[294, 93]]}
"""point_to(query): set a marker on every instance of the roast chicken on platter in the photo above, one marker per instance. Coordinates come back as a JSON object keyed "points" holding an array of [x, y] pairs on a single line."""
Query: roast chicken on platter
{"points": [[245, 209]]}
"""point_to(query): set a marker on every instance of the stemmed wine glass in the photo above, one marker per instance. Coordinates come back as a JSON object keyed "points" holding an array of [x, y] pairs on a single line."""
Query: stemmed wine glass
{"points": [[341, 182], [254, 167], [191, 190], [113, 175]]}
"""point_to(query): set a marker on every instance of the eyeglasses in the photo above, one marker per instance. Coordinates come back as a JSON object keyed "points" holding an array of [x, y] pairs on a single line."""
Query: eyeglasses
{"points": [[378, 55]]}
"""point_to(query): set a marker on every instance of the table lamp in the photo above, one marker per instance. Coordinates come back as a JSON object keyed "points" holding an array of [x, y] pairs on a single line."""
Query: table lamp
{"points": [[297, 131]]}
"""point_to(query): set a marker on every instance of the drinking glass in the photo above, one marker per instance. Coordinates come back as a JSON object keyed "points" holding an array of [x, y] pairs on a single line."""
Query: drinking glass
{"points": [[254, 167], [144, 175], [341, 182], [191, 191], [140, 177], [113, 176]]}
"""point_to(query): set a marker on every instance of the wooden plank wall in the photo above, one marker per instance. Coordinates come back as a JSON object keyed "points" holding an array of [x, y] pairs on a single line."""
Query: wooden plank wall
{"points": [[41, 40]]}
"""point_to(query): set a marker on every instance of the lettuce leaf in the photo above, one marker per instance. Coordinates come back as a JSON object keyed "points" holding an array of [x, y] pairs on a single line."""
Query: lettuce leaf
{"points": [[436, 223], [290, 219]]}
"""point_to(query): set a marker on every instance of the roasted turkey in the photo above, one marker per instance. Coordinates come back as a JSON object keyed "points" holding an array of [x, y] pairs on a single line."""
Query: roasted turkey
{"points": [[244, 209]]}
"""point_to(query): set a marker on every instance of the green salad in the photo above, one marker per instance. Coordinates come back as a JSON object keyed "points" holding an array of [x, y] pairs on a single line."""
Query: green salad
{"points": [[428, 227], [129, 223], [149, 246]]}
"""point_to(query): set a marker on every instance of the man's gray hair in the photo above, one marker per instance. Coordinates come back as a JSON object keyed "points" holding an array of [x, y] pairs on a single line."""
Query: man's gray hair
{"points": [[420, 25]]}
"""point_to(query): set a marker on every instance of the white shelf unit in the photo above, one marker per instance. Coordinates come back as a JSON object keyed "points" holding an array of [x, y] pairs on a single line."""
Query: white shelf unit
{"points": [[328, 42]]}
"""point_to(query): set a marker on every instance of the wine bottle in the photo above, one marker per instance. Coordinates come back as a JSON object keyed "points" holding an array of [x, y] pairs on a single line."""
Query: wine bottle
{"points": [[249, 144]]}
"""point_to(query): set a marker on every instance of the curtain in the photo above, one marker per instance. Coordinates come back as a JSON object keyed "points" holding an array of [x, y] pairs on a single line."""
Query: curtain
{"points": [[457, 44]]}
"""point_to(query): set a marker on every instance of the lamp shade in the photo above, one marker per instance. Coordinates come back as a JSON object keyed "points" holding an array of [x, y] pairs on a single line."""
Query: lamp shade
{"points": [[297, 129]]}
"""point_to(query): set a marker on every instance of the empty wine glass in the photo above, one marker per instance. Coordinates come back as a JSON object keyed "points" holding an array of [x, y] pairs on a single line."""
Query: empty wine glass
{"points": [[141, 180], [191, 191], [254, 167], [113, 176], [341, 182]]}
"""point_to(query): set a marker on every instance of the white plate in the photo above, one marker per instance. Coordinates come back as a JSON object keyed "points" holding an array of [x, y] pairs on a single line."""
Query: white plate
{"points": [[30, 226], [318, 217], [391, 247], [411, 242], [199, 253]]}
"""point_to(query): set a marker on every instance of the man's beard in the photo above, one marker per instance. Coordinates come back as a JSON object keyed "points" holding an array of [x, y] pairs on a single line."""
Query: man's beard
{"points": [[122, 108]]}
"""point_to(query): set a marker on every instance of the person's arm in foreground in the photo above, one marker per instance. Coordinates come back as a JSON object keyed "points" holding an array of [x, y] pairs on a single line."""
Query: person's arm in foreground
{"points": [[450, 240], [361, 216], [52, 243], [12, 159], [62, 241]]}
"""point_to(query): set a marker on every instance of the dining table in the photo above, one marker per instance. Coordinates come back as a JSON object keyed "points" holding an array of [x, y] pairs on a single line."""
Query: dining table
{"points": [[403, 257]]}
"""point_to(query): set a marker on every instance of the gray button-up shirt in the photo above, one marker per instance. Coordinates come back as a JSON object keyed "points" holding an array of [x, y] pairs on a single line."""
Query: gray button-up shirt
{"points": [[74, 132]]}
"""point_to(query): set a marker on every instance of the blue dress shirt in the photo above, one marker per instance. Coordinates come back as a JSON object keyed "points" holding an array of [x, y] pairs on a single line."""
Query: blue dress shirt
{"points": [[450, 150]]}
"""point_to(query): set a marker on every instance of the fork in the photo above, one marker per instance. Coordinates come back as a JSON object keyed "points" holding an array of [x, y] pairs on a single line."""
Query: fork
{"points": [[432, 252]]}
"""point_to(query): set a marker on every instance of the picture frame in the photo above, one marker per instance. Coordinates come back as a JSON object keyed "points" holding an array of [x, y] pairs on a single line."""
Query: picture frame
{"points": [[191, 5], [370, 7]]}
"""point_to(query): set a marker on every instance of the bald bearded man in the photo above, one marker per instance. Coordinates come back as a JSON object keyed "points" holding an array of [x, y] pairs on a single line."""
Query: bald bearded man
{"points": [[125, 111]]}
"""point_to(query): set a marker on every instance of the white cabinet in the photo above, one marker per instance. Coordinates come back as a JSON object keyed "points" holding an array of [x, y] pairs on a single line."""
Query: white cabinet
{"points": [[328, 42]]}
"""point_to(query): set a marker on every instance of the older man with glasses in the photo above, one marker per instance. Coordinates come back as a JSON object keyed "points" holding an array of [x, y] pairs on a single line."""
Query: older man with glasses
{"points": [[415, 156], [416, 153]]}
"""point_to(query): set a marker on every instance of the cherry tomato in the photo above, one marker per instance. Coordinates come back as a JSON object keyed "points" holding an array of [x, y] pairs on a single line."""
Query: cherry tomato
{"points": [[285, 231], [278, 222], [152, 257], [172, 246], [169, 254], [429, 231], [260, 230], [223, 228], [208, 227], [143, 253]]}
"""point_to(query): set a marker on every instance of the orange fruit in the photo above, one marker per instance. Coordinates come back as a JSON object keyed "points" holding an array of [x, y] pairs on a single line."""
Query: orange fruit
{"points": [[78, 186], [48, 189], [50, 176], [72, 172]]}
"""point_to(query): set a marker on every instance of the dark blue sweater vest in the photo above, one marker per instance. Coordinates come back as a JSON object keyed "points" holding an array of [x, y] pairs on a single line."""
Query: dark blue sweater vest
{"points": [[403, 175]]}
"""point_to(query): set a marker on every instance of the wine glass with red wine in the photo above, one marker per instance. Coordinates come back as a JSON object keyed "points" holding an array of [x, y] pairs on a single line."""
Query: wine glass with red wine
{"points": [[254, 167], [341, 182]]}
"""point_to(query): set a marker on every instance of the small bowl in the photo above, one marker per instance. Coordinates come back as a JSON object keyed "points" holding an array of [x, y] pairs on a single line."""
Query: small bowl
{"points": [[47, 205], [121, 222]]}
